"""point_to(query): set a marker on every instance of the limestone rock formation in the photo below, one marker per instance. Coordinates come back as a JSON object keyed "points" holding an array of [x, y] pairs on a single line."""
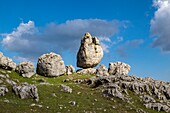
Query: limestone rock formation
{"points": [[90, 52], [158, 106], [25, 69], [3, 90], [26, 90], [50, 65], [69, 70], [6, 62], [102, 71], [87, 71], [153, 93], [118, 68], [66, 88]]}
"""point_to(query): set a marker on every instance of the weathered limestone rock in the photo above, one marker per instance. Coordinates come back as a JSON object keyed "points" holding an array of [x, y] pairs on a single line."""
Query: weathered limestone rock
{"points": [[113, 91], [148, 99], [102, 71], [50, 65], [25, 69], [3, 90], [118, 68], [155, 94], [66, 88], [6, 62], [87, 71], [158, 107], [69, 70], [26, 90], [90, 52]]}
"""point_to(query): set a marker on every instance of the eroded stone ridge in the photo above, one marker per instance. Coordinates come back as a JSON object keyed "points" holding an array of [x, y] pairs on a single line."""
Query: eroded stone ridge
{"points": [[102, 71], [118, 68], [50, 65], [6, 62], [155, 94], [90, 52]]}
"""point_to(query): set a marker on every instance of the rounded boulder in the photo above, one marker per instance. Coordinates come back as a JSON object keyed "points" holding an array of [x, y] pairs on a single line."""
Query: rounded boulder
{"points": [[50, 65]]}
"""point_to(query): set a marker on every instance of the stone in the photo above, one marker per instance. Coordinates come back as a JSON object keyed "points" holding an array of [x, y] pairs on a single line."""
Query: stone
{"points": [[90, 52], [66, 88], [158, 107], [10, 82], [148, 99], [70, 69], [50, 65], [6, 62], [97, 81], [102, 71], [73, 103], [26, 90], [3, 90], [2, 76], [113, 92], [87, 71], [118, 68], [25, 69]]}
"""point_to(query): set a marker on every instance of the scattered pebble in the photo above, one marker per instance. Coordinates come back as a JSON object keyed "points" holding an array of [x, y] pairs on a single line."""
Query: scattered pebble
{"points": [[37, 105], [73, 103], [6, 101], [78, 93], [66, 80], [53, 95]]}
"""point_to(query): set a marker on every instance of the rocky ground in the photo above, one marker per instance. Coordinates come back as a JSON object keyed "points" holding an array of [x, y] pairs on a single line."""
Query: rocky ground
{"points": [[82, 93], [59, 89]]}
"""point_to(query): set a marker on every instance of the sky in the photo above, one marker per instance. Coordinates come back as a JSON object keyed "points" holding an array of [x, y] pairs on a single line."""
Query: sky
{"points": [[136, 32]]}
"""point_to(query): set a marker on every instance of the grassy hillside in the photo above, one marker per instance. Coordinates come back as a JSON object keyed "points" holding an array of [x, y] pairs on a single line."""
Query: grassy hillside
{"points": [[52, 99]]}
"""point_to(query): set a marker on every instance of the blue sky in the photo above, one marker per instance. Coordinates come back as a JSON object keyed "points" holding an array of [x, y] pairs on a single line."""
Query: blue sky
{"points": [[132, 31]]}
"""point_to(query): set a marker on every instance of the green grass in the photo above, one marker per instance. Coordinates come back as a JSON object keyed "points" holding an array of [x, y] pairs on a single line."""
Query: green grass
{"points": [[87, 99]]}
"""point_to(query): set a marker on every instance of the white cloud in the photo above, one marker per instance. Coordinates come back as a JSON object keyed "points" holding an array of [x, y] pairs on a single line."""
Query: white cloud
{"points": [[106, 39], [160, 25], [107, 43], [30, 41], [105, 47], [20, 59]]}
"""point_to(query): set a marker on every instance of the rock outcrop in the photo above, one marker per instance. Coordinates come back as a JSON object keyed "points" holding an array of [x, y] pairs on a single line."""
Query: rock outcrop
{"points": [[3, 90], [118, 68], [154, 93], [66, 88], [50, 65], [102, 71], [6, 62], [69, 70], [87, 71], [26, 90], [90, 52], [25, 69]]}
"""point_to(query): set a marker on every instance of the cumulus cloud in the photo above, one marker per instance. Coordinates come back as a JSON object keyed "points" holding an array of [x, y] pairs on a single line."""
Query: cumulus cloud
{"points": [[107, 43], [122, 49], [30, 41], [160, 25]]}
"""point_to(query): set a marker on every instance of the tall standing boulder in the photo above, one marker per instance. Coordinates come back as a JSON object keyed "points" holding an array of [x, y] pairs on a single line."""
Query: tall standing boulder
{"points": [[6, 62], [90, 52], [118, 68], [25, 69], [50, 65]]}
